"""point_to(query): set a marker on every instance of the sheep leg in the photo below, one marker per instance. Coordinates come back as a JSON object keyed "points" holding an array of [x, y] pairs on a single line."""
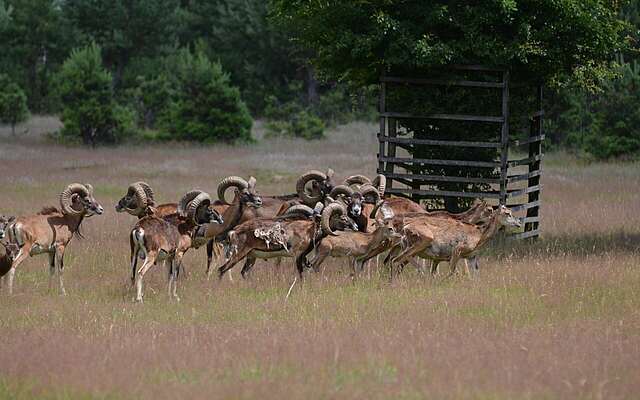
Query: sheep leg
{"points": [[434, 267], [233, 261], [455, 256], [321, 254], [209, 257], [134, 258], [248, 265], [149, 261], [410, 252], [52, 269], [59, 257], [173, 276], [22, 255]]}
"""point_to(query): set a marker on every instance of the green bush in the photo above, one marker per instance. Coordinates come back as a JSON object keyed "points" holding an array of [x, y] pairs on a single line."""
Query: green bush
{"points": [[340, 105], [89, 112], [151, 98], [13, 103], [291, 119], [205, 107], [603, 125]]}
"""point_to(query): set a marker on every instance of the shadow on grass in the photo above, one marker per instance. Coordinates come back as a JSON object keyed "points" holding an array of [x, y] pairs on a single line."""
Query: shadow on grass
{"points": [[576, 245]]}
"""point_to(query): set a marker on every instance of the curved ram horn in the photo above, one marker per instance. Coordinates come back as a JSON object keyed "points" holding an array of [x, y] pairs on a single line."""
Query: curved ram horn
{"points": [[341, 190], [305, 178], [299, 209], [185, 200], [201, 200], [151, 198], [328, 213], [368, 192], [356, 180], [65, 198], [230, 181], [380, 182], [142, 201]]}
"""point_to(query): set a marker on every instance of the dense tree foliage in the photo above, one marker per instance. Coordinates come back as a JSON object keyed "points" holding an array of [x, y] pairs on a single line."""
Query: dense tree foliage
{"points": [[89, 112], [205, 107], [125, 29], [319, 58], [539, 39], [33, 44], [13, 103], [604, 124]]}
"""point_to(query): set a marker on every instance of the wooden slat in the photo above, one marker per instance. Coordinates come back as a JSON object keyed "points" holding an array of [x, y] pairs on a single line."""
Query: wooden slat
{"points": [[525, 235], [443, 178], [490, 195], [526, 206], [462, 163], [523, 177], [475, 68], [533, 139], [525, 161], [504, 139], [526, 220], [520, 192], [447, 82], [383, 126], [429, 142], [453, 117], [535, 148]]}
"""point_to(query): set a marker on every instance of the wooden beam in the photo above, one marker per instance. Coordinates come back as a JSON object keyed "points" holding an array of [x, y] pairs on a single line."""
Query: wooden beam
{"points": [[523, 177], [452, 117], [504, 139], [461, 163], [520, 192], [531, 139], [521, 207], [429, 142], [443, 178], [526, 161], [535, 153], [391, 149], [447, 82], [383, 123], [525, 235], [476, 68], [446, 193]]}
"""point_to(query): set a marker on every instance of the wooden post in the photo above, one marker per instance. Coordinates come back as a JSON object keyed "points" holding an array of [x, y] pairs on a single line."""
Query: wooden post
{"points": [[535, 150], [391, 150], [382, 132], [504, 138]]}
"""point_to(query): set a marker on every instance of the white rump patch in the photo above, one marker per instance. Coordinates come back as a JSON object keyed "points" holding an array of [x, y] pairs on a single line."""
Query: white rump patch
{"points": [[273, 234]]}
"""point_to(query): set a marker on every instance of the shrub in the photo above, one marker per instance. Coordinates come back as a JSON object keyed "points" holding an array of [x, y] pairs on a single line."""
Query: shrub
{"points": [[290, 119], [151, 98], [89, 112], [13, 103], [606, 125], [205, 107]]}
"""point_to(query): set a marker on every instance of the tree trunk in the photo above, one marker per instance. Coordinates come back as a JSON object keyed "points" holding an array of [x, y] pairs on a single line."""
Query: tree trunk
{"points": [[312, 85]]}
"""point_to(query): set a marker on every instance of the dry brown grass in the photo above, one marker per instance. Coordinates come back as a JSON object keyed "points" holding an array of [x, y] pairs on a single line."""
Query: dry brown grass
{"points": [[558, 319]]}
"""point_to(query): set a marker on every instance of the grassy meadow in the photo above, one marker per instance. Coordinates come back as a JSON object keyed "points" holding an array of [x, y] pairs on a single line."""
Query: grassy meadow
{"points": [[556, 319]]}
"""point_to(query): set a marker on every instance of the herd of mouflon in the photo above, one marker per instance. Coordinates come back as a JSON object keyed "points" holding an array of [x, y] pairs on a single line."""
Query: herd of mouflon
{"points": [[352, 219]]}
